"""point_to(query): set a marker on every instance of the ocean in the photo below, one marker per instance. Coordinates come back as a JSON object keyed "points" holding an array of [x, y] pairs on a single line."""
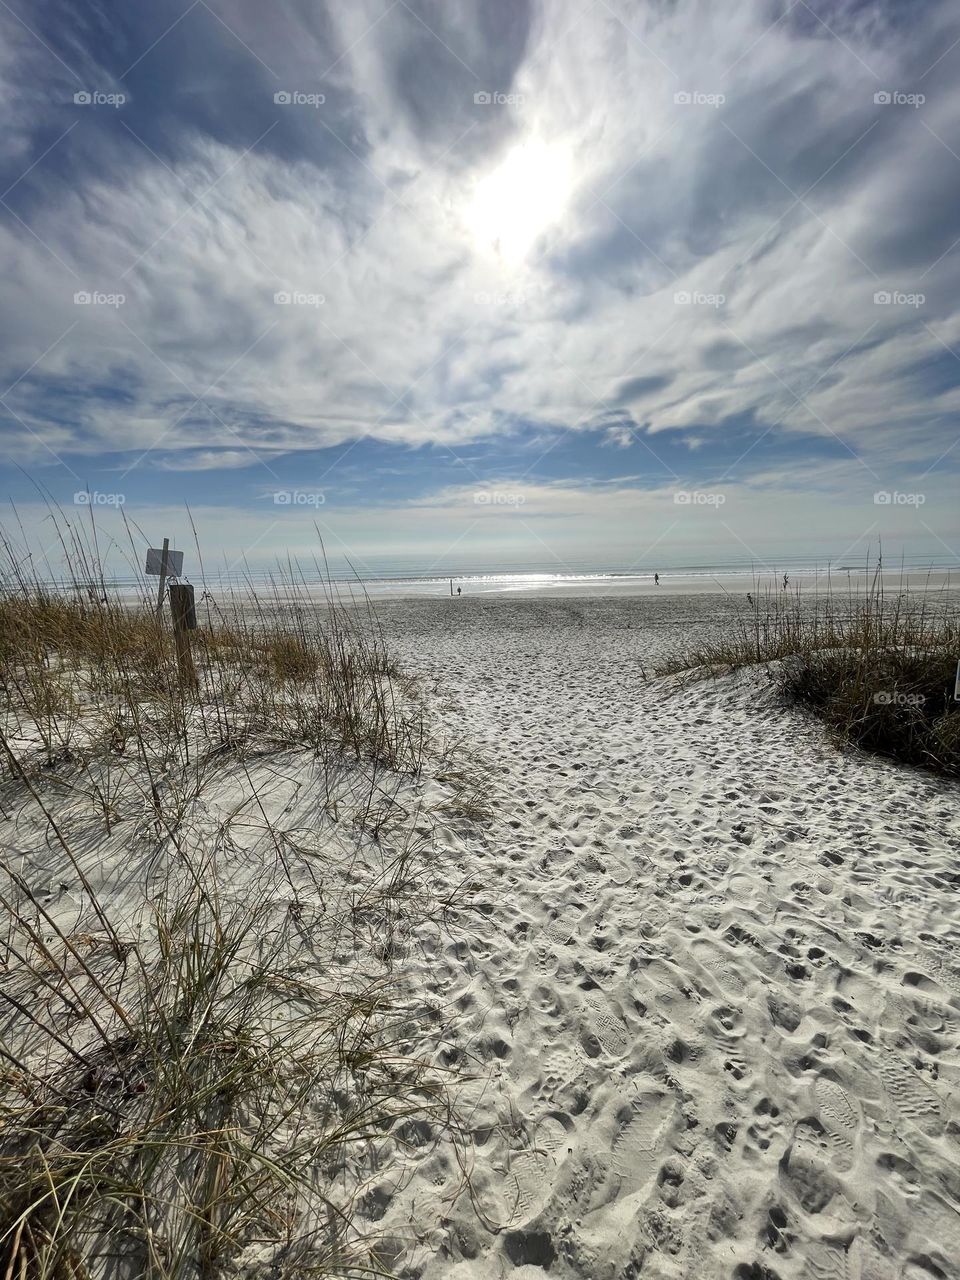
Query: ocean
{"points": [[385, 575]]}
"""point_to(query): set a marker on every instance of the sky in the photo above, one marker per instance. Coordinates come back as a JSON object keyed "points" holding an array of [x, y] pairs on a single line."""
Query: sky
{"points": [[551, 282]]}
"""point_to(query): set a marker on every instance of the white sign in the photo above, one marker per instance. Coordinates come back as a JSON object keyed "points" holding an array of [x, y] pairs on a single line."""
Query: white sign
{"points": [[155, 560]]}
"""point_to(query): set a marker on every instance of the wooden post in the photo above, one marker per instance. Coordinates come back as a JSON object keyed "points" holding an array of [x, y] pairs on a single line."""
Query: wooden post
{"points": [[184, 617], [163, 574]]}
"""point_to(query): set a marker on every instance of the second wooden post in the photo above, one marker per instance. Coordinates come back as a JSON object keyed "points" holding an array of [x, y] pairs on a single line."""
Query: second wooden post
{"points": [[184, 616]]}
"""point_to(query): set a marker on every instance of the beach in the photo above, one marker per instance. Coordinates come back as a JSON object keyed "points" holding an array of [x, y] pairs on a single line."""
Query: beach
{"points": [[550, 964], [707, 978], [480, 640]]}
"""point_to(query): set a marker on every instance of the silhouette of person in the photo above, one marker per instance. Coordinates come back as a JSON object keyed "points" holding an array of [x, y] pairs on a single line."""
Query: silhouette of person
{"points": [[458, 590], [656, 579], [749, 598], [785, 581]]}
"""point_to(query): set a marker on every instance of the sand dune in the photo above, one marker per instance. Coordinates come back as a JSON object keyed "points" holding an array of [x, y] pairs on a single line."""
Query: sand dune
{"points": [[696, 976], [710, 986]]}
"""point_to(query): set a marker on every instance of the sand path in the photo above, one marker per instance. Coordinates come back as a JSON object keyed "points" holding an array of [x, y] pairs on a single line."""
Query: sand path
{"points": [[713, 977]]}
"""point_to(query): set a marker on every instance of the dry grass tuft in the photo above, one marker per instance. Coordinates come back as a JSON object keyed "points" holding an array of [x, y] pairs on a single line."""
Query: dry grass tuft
{"points": [[205, 1044], [878, 669]]}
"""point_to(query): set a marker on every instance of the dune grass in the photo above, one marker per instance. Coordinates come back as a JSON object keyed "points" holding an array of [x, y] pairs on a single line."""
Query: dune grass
{"points": [[878, 667], [204, 1042]]}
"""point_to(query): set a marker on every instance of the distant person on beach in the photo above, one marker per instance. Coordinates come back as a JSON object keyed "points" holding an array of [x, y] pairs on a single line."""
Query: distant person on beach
{"points": [[656, 579], [749, 598], [785, 581], [459, 589]]}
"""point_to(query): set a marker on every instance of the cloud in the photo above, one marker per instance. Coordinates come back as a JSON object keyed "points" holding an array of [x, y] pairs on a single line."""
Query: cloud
{"points": [[299, 276], [563, 525], [620, 437], [635, 389], [208, 460]]}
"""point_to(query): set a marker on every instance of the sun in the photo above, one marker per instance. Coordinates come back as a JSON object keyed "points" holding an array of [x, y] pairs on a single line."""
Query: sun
{"points": [[513, 205]]}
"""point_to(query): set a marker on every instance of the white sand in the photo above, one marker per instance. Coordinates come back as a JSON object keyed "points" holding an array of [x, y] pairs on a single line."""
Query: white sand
{"points": [[706, 974], [712, 973]]}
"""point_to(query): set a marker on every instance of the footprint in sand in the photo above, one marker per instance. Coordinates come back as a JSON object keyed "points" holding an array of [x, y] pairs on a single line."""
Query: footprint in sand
{"points": [[936, 1226], [600, 869], [551, 1134], [557, 1071], [555, 933], [602, 1030], [636, 1148], [545, 959], [587, 875], [932, 1015], [944, 963], [529, 1175], [816, 1141], [712, 910], [721, 967], [553, 864], [872, 1263], [911, 1097], [477, 1103], [525, 1184], [826, 1262], [809, 1165], [839, 1118]]}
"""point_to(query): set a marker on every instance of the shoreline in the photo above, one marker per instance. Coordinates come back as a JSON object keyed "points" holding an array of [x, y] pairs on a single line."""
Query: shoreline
{"points": [[685, 585], [538, 585]]}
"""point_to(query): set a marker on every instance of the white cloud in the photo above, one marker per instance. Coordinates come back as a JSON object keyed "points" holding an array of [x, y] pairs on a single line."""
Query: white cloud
{"points": [[817, 509], [409, 329]]}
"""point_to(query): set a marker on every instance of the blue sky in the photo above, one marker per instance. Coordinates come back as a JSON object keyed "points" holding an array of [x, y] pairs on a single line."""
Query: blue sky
{"points": [[497, 278]]}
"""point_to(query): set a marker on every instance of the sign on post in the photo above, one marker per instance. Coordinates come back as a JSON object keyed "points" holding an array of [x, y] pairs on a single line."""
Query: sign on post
{"points": [[174, 563], [160, 564]]}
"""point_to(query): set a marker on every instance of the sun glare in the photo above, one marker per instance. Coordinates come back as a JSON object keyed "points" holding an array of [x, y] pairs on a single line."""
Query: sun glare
{"points": [[512, 206]]}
